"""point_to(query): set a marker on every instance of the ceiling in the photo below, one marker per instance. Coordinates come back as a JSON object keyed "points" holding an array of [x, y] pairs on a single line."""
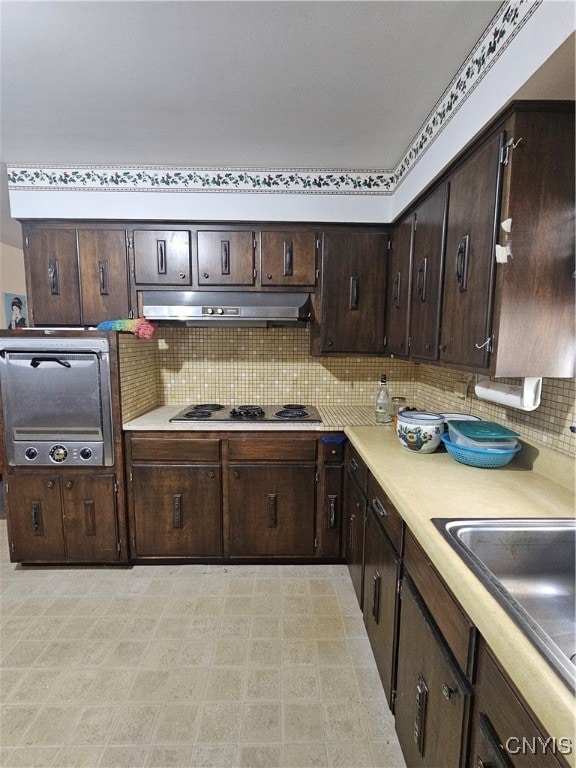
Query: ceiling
{"points": [[277, 84]]}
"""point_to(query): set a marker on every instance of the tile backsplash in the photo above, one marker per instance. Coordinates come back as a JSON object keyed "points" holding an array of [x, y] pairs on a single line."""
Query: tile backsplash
{"points": [[273, 365]]}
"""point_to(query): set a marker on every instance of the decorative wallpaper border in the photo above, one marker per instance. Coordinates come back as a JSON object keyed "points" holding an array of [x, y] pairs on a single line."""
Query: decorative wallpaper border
{"points": [[505, 25]]}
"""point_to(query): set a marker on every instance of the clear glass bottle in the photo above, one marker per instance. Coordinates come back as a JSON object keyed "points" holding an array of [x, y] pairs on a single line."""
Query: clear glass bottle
{"points": [[383, 413]]}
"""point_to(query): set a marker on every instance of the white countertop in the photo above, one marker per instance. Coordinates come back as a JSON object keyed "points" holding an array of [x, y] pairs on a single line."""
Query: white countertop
{"points": [[334, 417]]}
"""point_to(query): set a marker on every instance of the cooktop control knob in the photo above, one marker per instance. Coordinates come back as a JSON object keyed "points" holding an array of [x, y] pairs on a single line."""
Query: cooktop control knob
{"points": [[209, 311], [219, 311], [31, 453], [85, 453], [58, 453]]}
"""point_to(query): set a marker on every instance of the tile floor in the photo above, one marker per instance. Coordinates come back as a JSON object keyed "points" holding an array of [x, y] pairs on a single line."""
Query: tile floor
{"points": [[187, 665]]}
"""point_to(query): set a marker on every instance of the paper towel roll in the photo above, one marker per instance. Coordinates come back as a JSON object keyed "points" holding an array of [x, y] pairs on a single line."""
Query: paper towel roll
{"points": [[525, 397]]}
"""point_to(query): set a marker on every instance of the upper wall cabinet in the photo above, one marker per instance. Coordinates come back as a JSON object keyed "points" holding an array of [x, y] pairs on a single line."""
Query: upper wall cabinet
{"points": [[398, 290], [288, 258], [508, 305], [350, 318], [226, 258], [75, 276], [162, 257]]}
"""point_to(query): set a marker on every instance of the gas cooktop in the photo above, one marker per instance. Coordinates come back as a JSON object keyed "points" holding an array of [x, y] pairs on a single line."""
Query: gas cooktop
{"points": [[249, 413]]}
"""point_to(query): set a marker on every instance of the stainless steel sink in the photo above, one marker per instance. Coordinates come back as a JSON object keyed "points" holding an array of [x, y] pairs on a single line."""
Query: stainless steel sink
{"points": [[529, 567]]}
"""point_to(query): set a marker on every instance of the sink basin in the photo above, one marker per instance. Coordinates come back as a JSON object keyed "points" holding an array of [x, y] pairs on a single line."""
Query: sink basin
{"points": [[529, 567]]}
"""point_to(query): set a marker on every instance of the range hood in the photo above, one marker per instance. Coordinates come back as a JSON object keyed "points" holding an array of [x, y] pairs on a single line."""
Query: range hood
{"points": [[227, 308]]}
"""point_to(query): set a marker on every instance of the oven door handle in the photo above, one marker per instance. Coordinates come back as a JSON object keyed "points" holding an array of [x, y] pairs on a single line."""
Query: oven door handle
{"points": [[35, 362]]}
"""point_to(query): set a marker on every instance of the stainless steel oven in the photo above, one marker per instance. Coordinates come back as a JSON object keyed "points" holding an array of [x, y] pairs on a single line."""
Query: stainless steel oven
{"points": [[56, 399]]}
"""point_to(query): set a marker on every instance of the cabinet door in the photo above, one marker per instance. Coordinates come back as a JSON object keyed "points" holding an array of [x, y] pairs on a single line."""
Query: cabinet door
{"points": [[504, 735], [34, 518], [433, 698], [103, 275], [162, 257], [272, 510], [53, 286], [330, 512], [226, 258], [177, 510], [427, 274], [90, 523], [469, 274], [355, 514], [398, 289], [381, 574], [288, 258], [353, 292]]}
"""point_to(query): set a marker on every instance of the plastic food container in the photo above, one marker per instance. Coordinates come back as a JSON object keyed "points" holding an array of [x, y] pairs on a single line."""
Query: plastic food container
{"points": [[482, 435], [419, 431], [480, 457]]}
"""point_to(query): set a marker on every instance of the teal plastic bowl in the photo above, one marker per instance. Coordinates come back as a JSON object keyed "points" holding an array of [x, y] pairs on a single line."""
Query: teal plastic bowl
{"points": [[478, 457]]}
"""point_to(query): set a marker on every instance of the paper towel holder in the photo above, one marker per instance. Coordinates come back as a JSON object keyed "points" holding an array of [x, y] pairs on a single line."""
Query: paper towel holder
{"points": [[526, 396]]}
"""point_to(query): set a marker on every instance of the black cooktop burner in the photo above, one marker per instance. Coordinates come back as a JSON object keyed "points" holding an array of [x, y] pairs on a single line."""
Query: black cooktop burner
{"points": [[266, 413]]}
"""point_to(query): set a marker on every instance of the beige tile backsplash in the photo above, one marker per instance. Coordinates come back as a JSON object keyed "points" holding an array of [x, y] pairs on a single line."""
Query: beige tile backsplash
{"points": [[273, 365]]}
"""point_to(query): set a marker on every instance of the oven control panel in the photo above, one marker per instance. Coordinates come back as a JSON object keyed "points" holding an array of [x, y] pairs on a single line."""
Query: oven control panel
{"points": [[46, 453]]}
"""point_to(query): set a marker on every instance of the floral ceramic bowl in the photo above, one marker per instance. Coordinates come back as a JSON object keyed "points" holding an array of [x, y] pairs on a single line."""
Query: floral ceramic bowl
{"points": [[419, 431]]}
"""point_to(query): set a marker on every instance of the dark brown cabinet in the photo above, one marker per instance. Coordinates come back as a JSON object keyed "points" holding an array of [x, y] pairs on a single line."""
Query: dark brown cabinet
{"points": [[63, 518], [175, 497], [381, 583], [226, 258], [330, 498], [353, 284], [504, 733], [355, 488], [288, 258], [272, 497], [162, 257], [427, 274], [76, 276], [469, 273], [398, 288], [433, 697]]}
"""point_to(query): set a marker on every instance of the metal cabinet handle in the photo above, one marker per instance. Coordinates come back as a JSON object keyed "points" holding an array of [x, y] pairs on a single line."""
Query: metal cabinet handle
{"points": [[161, 256], [420, 716], [396, 290], [332, 510], [379, 507], [89, 517], [103, 277], [37, 524], [353, 465], [447, 691], [54, 276], [178, 516], [462, 263], [272, 510], [421, 280], [351, 535], [225, 256], [376, 581], [50, 484], [288, 258], [354, 292], [498, 757], [70, 484]]}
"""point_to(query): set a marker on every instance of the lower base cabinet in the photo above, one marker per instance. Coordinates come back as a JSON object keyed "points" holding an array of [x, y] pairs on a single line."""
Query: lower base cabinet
{"points": [[504, 733], [433, 697], [176, 510], [63, 518]]}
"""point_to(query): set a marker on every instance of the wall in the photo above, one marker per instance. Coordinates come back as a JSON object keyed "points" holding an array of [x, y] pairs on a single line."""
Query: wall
{"points": [[12, 280], [234, 365]]}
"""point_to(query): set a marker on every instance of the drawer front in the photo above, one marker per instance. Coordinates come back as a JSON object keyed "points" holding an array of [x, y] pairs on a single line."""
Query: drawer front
{"points": [[161, 449], [273, 449], [386, 513], [332, 451], [457, 630], [356, 467]]}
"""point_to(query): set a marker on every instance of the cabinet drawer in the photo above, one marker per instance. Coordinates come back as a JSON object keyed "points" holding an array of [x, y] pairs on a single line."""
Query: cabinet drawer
{"points": [[272, 449], [332, 449], [457, 630], [386, 513], [160, 449], [356, 467]]}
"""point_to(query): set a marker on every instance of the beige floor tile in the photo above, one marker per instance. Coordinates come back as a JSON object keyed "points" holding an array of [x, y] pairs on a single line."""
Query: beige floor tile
{"points": [[73, 686], [162, 654], [235, 626], [77, 757], [93, 726], [24, 653], [134, 724], [302, 721], [123, 757], [262, 722], [230, 651], [50, 726], [31, 757], [299, 683], [265, 626], [214, 756], [219, 723], [260, 756], [224, 684], [350, 755], [21, 687], [15, 719], [197, 652], [332, 652], [111, 686], [343, 721], [264, 653], [149, 685], [186, 684], [169, 757], [298, 652], [263, 683], [177, 723], [126, 653], [310, 755], [338, 683]]}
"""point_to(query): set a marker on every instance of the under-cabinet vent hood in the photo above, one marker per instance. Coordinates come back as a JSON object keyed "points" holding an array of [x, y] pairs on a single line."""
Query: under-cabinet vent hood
{"points": [[230, 308]]}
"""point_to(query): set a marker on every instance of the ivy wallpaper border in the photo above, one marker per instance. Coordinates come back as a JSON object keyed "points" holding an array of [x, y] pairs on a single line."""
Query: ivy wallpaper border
{"points": [[505, 25]]}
